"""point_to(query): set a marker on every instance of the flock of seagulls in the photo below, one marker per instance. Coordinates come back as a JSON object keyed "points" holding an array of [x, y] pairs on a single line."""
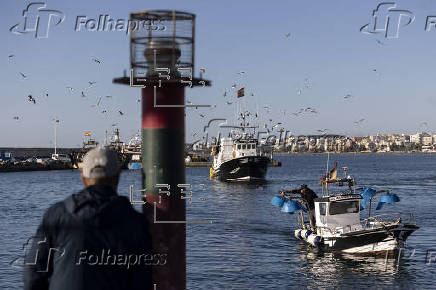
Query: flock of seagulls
{"points": [[83, 92], [306, 85]]}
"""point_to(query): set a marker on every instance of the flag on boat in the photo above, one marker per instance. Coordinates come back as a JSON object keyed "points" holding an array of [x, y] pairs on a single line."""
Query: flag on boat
{"points": [[330, 177], [88, 133], [240, 92]]}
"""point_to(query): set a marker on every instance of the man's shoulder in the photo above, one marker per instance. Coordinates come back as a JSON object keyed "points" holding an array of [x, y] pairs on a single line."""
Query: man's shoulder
{"points": [[54, 213]]}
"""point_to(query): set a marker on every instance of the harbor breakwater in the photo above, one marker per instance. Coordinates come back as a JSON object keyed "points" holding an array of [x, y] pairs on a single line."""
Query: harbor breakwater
{"points": [[25, 152]]}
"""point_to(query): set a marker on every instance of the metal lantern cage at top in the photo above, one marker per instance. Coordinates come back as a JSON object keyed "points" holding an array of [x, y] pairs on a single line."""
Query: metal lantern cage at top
{"points": [[161, 40]]}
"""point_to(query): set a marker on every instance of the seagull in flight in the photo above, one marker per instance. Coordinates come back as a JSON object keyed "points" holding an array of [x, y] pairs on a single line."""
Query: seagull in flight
{"points": [[348, 96], [233, 86], [70, 89], [10, 56], [201, 115], [323, 131], [23, 75], [31, 99], [16, 118], [379, 42], [241, 73], [229, 103], [358, 122], [276, 125], [121, 113], [96, 60], [91, 83]]}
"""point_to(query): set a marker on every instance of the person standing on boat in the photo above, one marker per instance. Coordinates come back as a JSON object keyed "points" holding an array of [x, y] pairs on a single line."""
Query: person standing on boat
{"points": [[308, 196]]}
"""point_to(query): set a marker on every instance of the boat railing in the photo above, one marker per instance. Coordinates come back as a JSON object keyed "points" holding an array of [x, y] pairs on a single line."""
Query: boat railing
{"points": [[382, 219]]}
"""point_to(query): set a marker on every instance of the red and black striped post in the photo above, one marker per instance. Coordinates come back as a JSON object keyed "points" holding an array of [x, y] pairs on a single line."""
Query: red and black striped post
{"points": [[163, 139]]}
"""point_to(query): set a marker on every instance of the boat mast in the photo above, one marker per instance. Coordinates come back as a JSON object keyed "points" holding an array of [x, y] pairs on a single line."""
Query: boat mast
{"points": [[55, 135]]}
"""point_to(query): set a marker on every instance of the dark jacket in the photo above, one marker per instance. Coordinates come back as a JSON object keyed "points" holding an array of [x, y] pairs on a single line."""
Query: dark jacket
{"points": [[90, 241], [310, 196]]}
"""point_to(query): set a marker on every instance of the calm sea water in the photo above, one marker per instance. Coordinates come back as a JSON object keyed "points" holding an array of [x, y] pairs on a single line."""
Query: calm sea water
{"points": [[250, 244]]}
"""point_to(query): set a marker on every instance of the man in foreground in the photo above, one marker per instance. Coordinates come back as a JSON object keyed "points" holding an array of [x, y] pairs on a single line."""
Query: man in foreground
{"points": [[93, 239]]}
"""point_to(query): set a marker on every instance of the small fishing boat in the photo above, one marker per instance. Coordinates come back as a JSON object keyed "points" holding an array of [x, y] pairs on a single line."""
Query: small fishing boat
{"points": [[135, 162], [134, 150], [339, 227]]}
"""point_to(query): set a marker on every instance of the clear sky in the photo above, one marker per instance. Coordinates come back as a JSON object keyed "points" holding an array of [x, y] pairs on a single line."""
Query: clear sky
{"points": [[326, 57]]}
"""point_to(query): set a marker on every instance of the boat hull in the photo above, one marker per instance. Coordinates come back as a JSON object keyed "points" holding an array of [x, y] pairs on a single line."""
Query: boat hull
{"points": [[247, 168], [371, 241], [134, 165]]}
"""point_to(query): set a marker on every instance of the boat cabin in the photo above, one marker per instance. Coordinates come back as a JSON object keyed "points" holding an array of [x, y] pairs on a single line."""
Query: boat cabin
{"points": [[230, 149], [244, 148], [338, 213]]}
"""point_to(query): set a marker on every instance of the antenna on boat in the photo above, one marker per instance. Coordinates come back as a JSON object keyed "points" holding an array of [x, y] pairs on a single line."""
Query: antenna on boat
{"points": [[327, 175]]}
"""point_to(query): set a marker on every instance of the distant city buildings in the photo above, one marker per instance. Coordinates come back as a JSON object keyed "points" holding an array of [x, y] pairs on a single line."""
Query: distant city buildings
{"points": [[419, 142]]}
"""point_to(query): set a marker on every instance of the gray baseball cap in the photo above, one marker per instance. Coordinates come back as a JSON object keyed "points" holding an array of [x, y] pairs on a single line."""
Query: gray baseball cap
{"points": [[100, 162]]}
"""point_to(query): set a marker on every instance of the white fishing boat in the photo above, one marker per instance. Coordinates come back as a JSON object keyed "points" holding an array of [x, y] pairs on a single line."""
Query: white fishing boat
{"points": [[339, 227], [239, 157]]}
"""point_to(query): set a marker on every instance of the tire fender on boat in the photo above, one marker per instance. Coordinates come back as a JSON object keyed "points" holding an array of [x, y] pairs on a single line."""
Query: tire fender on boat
{"points": [[297, 234], [315, 240], [305, 234]]}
